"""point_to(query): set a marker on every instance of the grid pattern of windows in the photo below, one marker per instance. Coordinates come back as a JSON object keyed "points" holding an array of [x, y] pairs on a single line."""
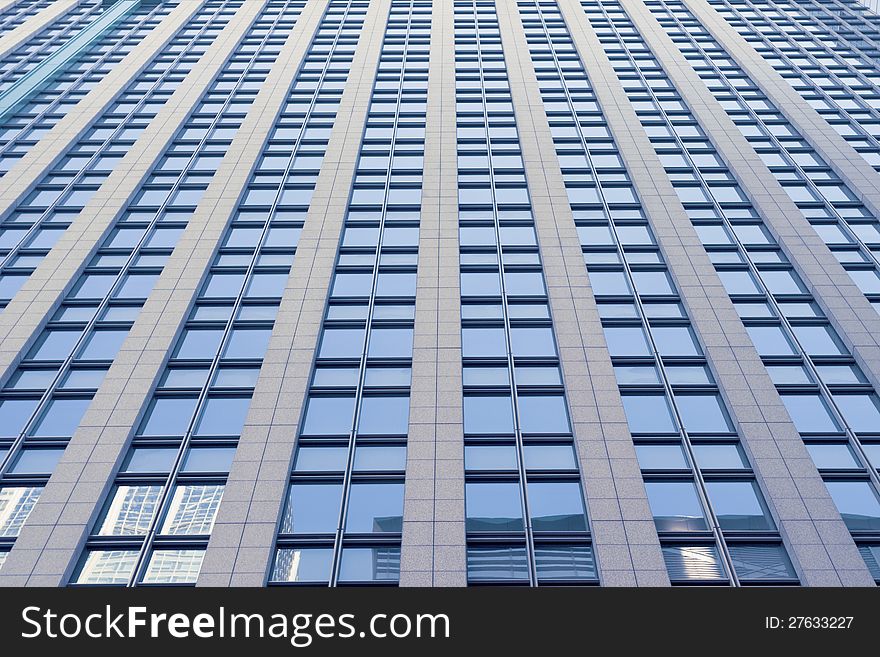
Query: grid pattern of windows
{"points": [[845, 21], [833, 79], [158, 519], [834, 210], [18, 12], [159, 515], [343, 516], [828, 397], [26, 57], [706, 503], [20, 132], [31, 228], [526, 520]]}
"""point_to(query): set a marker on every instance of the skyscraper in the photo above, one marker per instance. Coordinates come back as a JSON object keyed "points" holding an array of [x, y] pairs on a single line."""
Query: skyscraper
{"points": [[439, 293]]}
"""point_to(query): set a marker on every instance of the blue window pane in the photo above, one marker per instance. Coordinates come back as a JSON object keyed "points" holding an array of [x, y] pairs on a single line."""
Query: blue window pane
{"points": [[810, 413], [248, 343], [223, 416], [626, 341], [375, 508], [543, 414], [370, 564], [703, 414], [861, 412], [857, 503], [384, 416], [103, 345], [14, 413], [761, 562], [675, 506], [312, 509], [493, 506], [199, 344], [556, 506], [168, 416], [341, 343], [150, 459], [533, 342], [497, 562], [302, 565], [327, 416], [208, 459], [565, 562], [660, 457], [379, 458], [390, 343], [739, 506], [267, 285], [62, 418], [483, 343], [37, 461], [54, 345], [488, 415], [648, 414]]}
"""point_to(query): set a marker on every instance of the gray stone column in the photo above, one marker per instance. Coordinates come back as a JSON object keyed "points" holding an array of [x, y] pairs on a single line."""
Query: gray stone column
{"points": [[627, 549], [816, 537], [240, 551], [49, 544], [433, 550]]}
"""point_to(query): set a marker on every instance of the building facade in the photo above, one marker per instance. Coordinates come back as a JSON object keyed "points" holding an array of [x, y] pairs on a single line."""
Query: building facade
{"points": [[439, 293]]}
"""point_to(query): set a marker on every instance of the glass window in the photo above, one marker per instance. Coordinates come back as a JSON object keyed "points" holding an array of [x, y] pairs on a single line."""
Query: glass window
{"points": [[703, 414], [312, 509], [208, 459], [832, 455], [16, 504], [564, 562], [543, 414], [860, 411], [302, 565], [719, 456], [36, 460], [54, 345], [168, 416], [390, 343], [493, 506], [488, 414], [675, 341], [738, 282], [675, 506], [533, 342], [375, 508], [483, 343], [490, 457], [14, 413], [770, 341], [370, 564], [660, 456], [130, 510], [103, 345], [223, 416], [174, 567], [320, 459], [61, 418], [810, 413], [198, 344], [549, 457], [384, 416], [107, 567], [192, 509], [378, 458], [328, 416], [648, 414], [857, 503], [497, 562], [150, 459], [693, 562], [738, 505], [341, 343], [760, 562], [556, 506], [626, 341], [248, 343]]}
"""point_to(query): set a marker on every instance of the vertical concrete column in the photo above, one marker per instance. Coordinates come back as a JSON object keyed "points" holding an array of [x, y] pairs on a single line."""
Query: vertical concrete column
{"points": [[57, 272], [627, 549], [433, 551], [834, 149], [50, 541], [34, 24], [812, 530], [240, 551], [856, 321]]}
